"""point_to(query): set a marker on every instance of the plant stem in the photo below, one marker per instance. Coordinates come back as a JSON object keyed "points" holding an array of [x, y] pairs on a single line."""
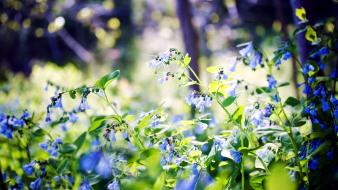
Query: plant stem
{"points": [[293, 142], [110, 104]]}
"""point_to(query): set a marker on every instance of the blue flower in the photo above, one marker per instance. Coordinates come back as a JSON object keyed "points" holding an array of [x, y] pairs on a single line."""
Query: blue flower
{"points": [[73, 117], [247, 50], [83, 104], [256, 60], [104, 168], [48, 118], [115, 185], [36, 185], [221, 75], [287, 55], [29, 168], [272, 82], [307, 90], [58, 102], [201, 101], [194, 169], [85, 185], [89, 161], [268, 110], [307, 68], [278, 63], [276, 98], [237, 156], [313, 164], [25, 115], [44, 146], [321, 52], [325, 105], [329, 155]]}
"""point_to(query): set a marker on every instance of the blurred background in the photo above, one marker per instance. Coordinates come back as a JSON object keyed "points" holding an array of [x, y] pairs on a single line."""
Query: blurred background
{"points": [[74, 42]]}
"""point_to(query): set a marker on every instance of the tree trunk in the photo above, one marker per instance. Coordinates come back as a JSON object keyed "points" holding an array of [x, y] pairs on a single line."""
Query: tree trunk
{"points": [[189, 35]]}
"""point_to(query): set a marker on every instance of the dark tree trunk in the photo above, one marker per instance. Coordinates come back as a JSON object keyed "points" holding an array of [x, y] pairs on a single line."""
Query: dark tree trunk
{"points": [[281, 17], [189, 35]]}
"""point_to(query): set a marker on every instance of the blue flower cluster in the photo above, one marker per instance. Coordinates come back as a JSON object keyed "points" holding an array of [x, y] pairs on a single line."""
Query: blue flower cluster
{"points": [[52, 148], [199, 100], [11, 123]]}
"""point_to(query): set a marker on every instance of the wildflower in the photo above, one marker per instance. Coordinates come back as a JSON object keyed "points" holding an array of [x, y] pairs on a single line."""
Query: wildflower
{"points": [[256, 60], [44, 146], [232, 89], [83, 104], [201, 101], [29, 168], [115, 185], [112, 136], [307, 90], [287, 55], [278, 63], [125, 134], [73, 117], [307, 68], [104, 167], [26, 115], [247, 50], [268, 110], [48, 118], [200, 127], [237, 156], [36, 185], [313, 164], [321, 52], [194, 169], [272, 82], [221, 75], [163, 145], [325, 105], [265, 154], [89, 161], [57, 101], [85, 185]]}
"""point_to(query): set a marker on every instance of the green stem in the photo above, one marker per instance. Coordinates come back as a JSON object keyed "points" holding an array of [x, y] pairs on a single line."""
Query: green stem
{"points": [[110, 104], [293, 142]]}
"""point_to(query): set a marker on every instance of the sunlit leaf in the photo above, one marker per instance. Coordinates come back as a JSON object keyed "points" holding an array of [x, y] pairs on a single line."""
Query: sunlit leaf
{"points": [[105, 80], [279, 179], [311, 35], [301, 14], [213, 69]]}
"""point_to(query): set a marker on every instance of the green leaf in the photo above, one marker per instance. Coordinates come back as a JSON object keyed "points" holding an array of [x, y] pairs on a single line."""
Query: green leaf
{"points": [[311, 35], [186, 60], [228, 101], [213, 69], [284, 84], [238, 114], [160, 182], [62, 166], [301, 14], [105, 80], [256, 180], [291, 101], [96, 122], [72, 94], [279, 179], [39, 133], [68, 148], [80, 140], [263, 89]]}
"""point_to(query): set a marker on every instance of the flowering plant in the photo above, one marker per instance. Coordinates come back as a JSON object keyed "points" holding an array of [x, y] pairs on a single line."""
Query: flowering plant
{"points": [[270, 141]]}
